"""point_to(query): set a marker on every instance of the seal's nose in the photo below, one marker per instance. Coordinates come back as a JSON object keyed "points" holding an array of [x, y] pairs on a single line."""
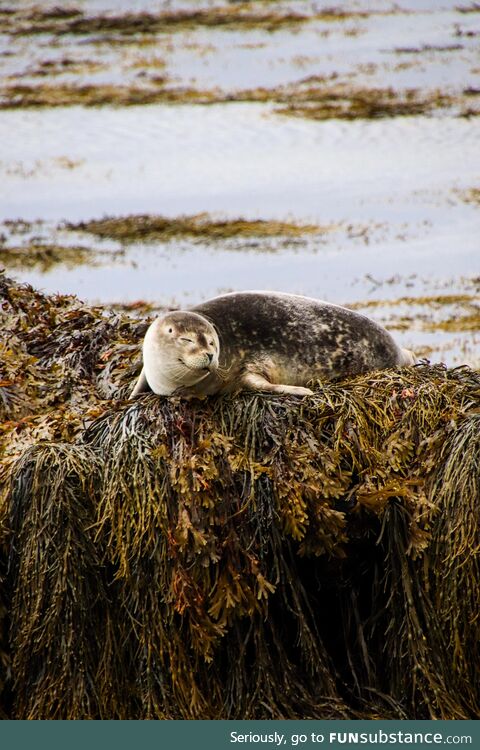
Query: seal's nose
{"points": [[210, 357]]}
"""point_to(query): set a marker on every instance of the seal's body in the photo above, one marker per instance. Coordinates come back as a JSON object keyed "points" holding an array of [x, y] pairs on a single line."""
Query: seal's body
{"points": [[262, 341]]}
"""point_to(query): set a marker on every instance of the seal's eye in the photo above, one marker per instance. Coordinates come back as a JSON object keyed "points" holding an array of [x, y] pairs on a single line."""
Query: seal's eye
{"points": [[184, 339], [170, 330], [210, 343]]}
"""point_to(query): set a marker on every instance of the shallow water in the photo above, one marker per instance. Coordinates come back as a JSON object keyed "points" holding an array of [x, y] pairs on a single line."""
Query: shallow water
{"points": [[390, 191]]}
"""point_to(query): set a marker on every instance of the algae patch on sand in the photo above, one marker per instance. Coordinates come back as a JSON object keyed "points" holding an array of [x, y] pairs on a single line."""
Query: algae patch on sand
{"points": [[447, 320], [350, 103], [240, 17], [312, 99], [23, 96], [145, 227], [43, 257], [472, 195]]}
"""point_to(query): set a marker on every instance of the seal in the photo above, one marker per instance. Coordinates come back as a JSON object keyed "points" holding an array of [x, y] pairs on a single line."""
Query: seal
{"points": [[261, 341]]}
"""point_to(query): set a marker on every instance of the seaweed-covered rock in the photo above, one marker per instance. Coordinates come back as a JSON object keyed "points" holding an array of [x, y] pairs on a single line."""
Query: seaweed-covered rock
{"points": [[247, 557], [61, 362]]}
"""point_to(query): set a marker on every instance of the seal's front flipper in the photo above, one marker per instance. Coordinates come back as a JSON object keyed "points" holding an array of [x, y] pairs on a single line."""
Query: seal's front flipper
{"points": [[408, 358], [252, 381], [141, 385]]}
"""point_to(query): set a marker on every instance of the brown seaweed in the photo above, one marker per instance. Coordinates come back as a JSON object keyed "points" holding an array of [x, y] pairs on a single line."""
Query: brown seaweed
{"points": [[148, 227]]}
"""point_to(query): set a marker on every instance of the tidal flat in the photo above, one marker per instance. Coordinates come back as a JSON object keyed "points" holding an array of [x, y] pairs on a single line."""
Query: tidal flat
{"points": [[155, 156]]}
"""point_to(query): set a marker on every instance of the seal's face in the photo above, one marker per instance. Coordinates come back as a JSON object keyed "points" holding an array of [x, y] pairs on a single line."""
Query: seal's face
{"points": [[182, 348]]}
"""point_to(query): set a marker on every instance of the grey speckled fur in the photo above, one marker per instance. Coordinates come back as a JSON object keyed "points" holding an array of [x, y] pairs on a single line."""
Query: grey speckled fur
{"points": [[275, 338]]}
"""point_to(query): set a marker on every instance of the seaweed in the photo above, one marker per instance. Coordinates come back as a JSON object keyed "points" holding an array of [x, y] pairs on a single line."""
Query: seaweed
{"points": [[61, 600], [473, 8], [311, 98], [133, 24], [238, 16], [472, 195], [45, 256], [347, 103], [92, 95], [147, 227], [60, 67], [238, 557]]}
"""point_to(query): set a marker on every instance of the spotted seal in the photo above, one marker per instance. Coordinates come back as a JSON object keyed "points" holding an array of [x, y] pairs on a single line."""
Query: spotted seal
{"points": [[261, 341]]}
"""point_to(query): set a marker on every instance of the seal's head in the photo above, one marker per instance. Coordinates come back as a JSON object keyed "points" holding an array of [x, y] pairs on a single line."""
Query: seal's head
{"points": [[180, 349]]}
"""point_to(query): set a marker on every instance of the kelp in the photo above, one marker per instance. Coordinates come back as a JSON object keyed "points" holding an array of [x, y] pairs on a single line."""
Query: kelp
{"points": [[56, 572], [44, 257], [239, 557], [133, 24], [146, 227], [60, 362], [312, 98]]}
